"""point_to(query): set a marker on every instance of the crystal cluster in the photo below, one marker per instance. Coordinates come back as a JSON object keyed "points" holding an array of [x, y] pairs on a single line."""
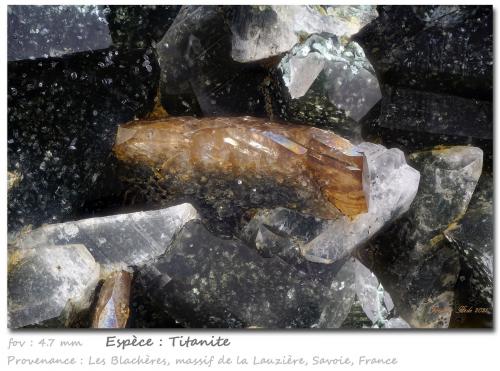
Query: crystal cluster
{"points": [[258, 166]]}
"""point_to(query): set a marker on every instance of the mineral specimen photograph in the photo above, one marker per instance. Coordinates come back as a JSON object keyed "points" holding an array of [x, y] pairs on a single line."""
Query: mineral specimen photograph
{"points": [[250, 166]]}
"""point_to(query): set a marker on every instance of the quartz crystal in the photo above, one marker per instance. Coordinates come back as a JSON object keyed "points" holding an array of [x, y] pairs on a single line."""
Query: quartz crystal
{"points": [[281, 232], [205, 281], [348, 80], [218, 60], [447, 171], [450, 175], [255, 166], [355, 283], [261, 32], [392, 183], [470, 234], [50, 283], [471, 237], [412, 259], [392, 187], [376, 303], [325, 168], [341, 298], [369, 294], [198, 75], [116, 240]]}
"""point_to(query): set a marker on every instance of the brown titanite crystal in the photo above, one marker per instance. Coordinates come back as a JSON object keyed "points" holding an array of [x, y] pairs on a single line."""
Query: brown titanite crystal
{"points": [[323, 167], [112, 308]]}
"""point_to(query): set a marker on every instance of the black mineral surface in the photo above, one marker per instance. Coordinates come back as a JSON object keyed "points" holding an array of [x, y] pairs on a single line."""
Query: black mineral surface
{"points": [[256, 166]]}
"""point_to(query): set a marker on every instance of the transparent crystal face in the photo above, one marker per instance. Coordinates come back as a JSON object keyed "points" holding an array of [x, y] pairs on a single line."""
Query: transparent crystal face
{"points": [[268, 166]]}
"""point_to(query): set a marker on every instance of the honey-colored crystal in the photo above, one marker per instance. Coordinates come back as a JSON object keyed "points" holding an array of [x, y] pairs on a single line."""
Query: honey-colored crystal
{"points": [[318, 162], [112, 308]]}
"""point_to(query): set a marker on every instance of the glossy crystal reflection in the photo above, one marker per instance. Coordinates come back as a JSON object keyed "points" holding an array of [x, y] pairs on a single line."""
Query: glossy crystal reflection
{"points": [[112, 309], [322, 166]]}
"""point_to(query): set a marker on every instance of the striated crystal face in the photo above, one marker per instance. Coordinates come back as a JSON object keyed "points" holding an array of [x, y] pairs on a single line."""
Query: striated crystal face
{"points": [[324, 168], [116, 240]]}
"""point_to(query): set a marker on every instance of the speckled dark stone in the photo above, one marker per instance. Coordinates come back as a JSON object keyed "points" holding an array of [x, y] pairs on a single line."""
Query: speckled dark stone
{"points": [[76, 73], [62, 120], [139, 26], [436, 65], [205, 281]]}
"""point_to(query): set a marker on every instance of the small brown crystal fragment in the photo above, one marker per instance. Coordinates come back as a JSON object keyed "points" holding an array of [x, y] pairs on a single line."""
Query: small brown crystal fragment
{"points": [[158, 112], [322, 165], [112, 308]]}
